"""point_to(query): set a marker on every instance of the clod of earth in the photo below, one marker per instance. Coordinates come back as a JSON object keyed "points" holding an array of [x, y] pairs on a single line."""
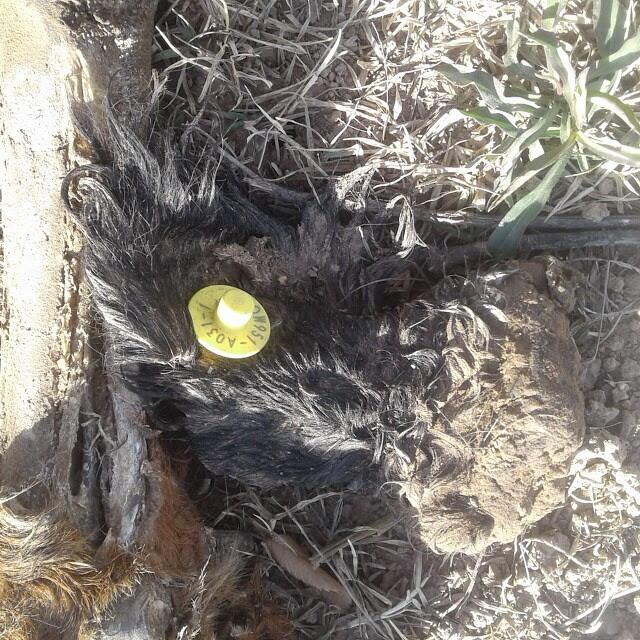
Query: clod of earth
{"points": [[506, 416]]}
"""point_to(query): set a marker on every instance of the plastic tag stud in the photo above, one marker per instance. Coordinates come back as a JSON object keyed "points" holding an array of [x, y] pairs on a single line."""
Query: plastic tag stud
{"points": [[228, 321]]}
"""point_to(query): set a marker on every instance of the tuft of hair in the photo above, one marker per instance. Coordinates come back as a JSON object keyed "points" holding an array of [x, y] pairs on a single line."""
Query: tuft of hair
{"points": [[224, 603], [51, 583], [174, 538]]}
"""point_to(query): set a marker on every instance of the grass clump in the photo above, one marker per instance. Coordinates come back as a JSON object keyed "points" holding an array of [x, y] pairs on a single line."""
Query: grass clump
{"points": [[557, 93]]}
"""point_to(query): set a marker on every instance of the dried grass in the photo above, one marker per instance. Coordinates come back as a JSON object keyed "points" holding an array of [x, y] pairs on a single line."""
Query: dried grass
{"points": [[302, 90]]}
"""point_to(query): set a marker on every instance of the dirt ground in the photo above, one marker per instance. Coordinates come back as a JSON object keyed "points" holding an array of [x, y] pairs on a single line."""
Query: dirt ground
{"points": [[302, 91]]}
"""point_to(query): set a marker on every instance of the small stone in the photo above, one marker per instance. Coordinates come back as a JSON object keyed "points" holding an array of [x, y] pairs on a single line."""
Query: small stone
{"points": [[595, 211], [590, 373], [632, 285], [598, 415], [602, 446], [615, 284], [595, 473], [620, 392], [606, 186], [615, 343], [630, 426], [548, 555], [634, 404], [574, 576], [630, 369], [611, 623], [610, 364]]}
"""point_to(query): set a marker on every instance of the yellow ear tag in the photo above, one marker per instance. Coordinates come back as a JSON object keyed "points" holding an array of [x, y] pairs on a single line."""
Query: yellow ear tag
{"points": [[228, 321]]}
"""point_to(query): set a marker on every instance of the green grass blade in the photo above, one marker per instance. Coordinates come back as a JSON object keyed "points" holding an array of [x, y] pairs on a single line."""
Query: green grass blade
{"points": [[524, 72], [505, 238], [560, 65], [485, 116], [612, 150], [611, 25], [542, 37], [552, 11], [537, 129], [518, 99], [512, 30], [627, 55], [579, 107], [565, 127], [532, 55], [490, 89], [615, 106], [536, 166]]}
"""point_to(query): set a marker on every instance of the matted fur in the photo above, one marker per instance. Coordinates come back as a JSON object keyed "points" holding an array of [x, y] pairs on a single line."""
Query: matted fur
{"points": [[51, 583], [341, 375], [54, 585], [174, 543], [368, 375]]}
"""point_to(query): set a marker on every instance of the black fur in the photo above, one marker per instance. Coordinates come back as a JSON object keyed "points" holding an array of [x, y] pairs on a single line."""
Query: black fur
{"points": [[345, 372]]}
